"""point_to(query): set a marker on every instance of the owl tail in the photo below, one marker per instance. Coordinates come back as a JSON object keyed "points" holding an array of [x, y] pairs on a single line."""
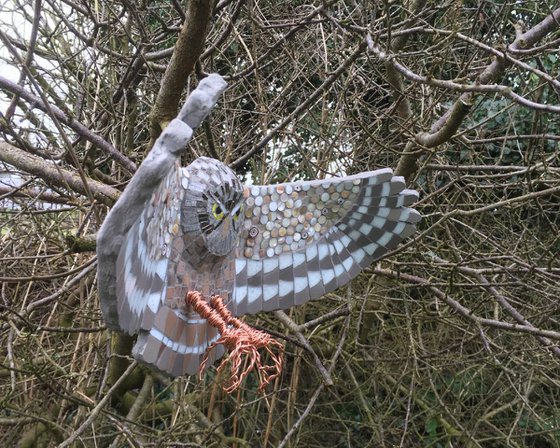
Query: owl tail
{"points": [[177, 345]]}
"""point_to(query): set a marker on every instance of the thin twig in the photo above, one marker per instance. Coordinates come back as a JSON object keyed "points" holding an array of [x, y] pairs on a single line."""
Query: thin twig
{"points": [[98, 408]]}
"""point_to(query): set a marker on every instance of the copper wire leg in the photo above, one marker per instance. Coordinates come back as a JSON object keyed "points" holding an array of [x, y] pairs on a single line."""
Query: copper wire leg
{"points": [[242, 341]]}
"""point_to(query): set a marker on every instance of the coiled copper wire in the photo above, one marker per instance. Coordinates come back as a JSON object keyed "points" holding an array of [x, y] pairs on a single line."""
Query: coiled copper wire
{"points": [[242, 341]]}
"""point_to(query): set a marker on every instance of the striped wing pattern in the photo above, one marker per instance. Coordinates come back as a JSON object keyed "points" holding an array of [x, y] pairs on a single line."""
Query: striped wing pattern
{"points": [[149, 268], [302, 240]]}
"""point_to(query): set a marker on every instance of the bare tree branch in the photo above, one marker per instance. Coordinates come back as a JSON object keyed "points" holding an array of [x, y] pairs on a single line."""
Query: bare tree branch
{"points": [[72, 123], [188, 48], [455, 116], [54, 175]]}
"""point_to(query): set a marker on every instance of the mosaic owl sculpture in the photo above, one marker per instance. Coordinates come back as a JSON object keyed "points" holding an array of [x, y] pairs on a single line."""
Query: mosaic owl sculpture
{"points": [[198, 230], [261, 248]]}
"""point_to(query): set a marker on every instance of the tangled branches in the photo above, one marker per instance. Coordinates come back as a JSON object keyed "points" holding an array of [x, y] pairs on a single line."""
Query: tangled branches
{"points": [[452, 339]]}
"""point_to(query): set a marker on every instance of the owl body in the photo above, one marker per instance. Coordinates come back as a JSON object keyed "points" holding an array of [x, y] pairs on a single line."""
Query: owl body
{"points": [[259, 247]]}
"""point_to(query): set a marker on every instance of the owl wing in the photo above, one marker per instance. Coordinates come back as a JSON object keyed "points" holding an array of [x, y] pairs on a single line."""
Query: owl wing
{"points": [[304, 239], [168, 339], [143, 259]]}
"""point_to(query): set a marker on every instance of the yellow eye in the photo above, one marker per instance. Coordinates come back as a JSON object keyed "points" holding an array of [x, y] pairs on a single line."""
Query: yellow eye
{"points": [[217, 212], [237, 214]]}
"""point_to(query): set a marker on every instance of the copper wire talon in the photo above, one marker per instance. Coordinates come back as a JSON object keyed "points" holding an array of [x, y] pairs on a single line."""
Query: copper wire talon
{"points": [[242, 341]]}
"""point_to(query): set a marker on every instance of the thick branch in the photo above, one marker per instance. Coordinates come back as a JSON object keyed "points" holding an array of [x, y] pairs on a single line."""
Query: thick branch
{"points": [[455, 116], [54, 175], [187, 50]]}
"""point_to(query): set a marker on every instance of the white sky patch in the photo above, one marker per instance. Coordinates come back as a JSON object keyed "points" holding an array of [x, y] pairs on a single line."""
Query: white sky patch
{"points": [[15, 25]]}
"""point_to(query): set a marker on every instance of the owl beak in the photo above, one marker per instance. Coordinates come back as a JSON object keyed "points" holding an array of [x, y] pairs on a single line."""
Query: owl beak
{"points": [[226, 226]]}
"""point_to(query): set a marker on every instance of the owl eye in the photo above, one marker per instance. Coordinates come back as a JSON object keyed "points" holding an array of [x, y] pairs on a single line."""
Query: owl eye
{"points": [[237, 213], [217, 212]]}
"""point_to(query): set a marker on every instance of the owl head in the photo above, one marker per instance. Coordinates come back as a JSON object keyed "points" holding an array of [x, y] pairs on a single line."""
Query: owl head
{"points": [[212, 205]]}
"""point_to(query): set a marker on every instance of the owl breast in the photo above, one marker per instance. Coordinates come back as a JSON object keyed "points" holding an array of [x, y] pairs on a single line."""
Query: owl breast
{"points": [[192, 268], [202, 255]]}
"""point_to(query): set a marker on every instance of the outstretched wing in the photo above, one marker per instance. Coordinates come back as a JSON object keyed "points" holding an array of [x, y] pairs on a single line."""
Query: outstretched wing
{"points": [[147, 273], [301, 240]]}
